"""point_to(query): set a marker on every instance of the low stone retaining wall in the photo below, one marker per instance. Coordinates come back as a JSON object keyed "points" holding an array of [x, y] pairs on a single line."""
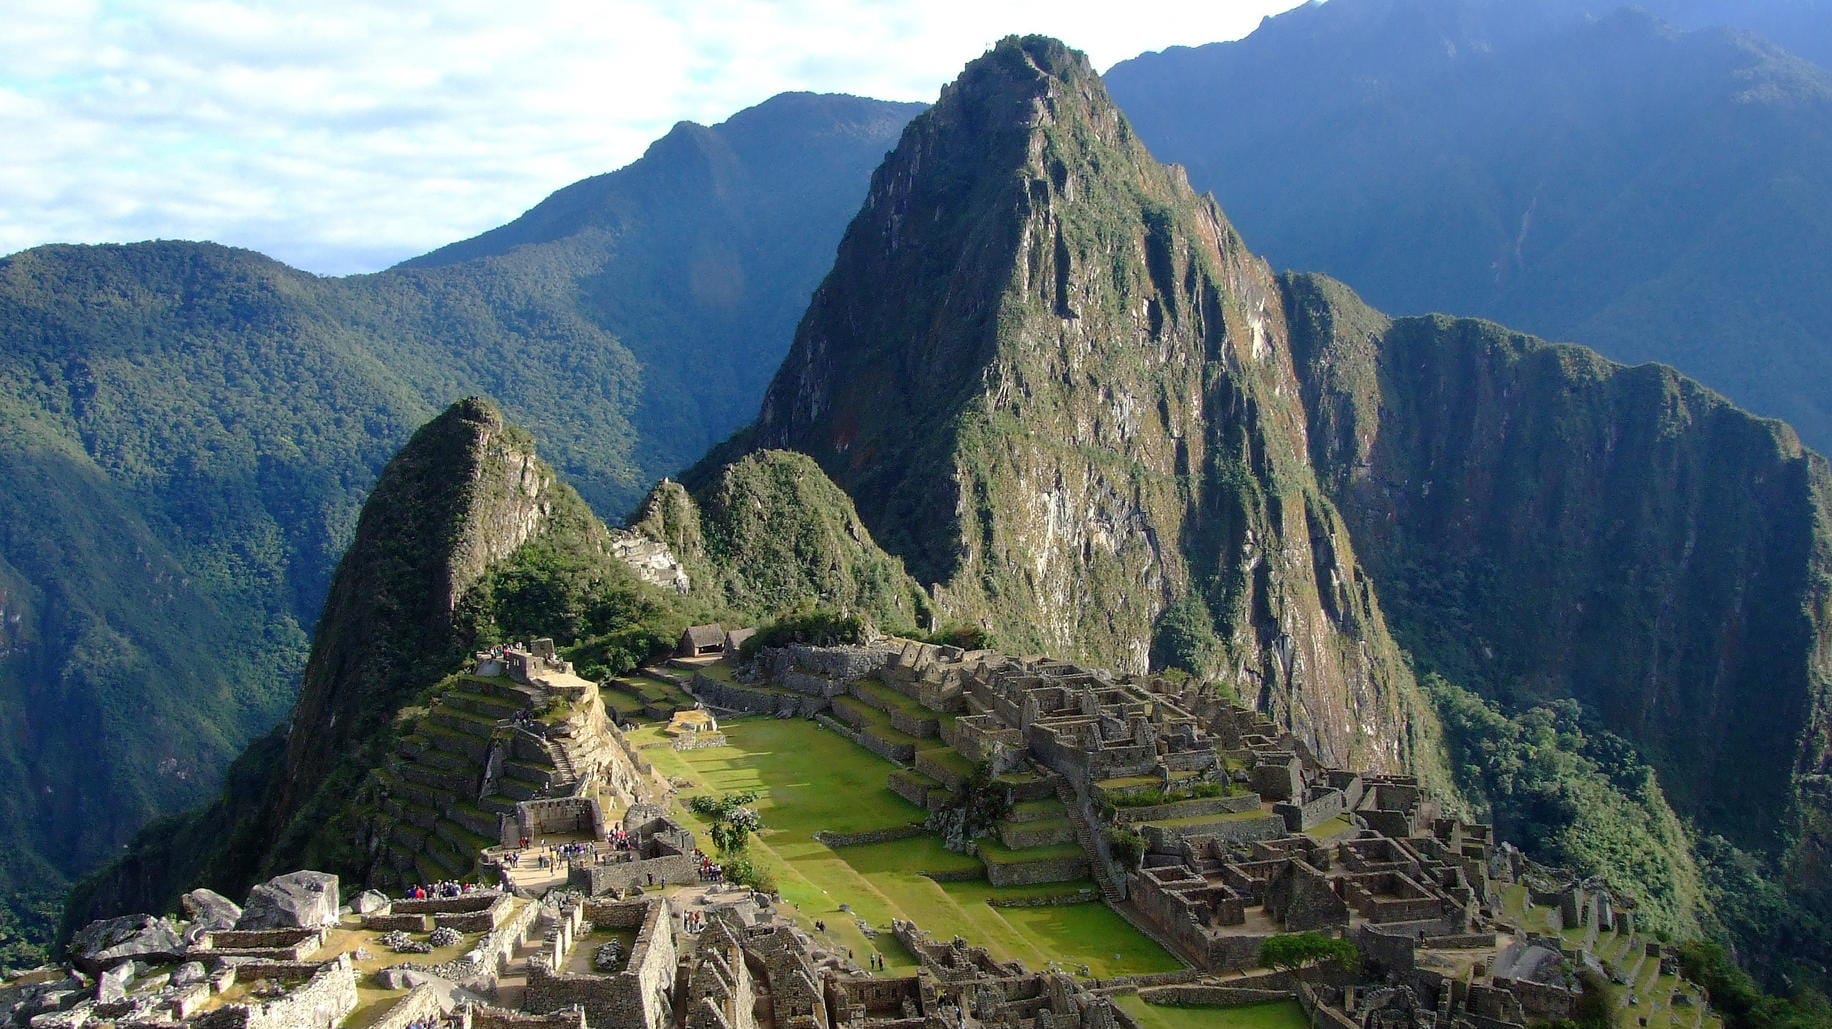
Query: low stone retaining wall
{"points": [[486, 1017], [885, 835], [1020, 835], [958, 875], [1167, 839], [478, 900], [1055, 901], [1186, 808], [906, 784], [941, 773], [755, 699], [422, 1002], [1029, 873], [1459, 941], [476, 921], [391, 923], [1199, 995], [320, 1002], [263, 939]]}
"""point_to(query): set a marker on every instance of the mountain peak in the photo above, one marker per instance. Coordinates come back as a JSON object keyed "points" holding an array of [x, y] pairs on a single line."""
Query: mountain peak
{"points": [[1056, 384]]}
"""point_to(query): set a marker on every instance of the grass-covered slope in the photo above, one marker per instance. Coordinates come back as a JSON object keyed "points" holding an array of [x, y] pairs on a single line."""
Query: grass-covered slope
{"points": [[1076, 412], [770, 531], [1573, 168], [189, 430]]}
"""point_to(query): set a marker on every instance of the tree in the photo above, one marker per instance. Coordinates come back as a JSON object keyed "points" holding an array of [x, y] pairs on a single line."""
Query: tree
{"points": [[1297, 952], [732, 819]]}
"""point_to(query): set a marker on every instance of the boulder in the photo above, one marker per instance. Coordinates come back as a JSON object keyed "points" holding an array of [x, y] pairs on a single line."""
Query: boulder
{"points": [[369, 902], [107, 942], [188, 973], [209, 911], [296, 900], [112, 985]]}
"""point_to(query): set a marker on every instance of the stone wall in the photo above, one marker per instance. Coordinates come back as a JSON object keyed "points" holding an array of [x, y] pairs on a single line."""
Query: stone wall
{"points": [[466, 903], [907, 785], [1027, 873], [560, 815], [1539, 1001], [886, 835], [636, 997], [321, 1002], [484, 1016], [756, 699], [477, 921], [1386, 953], [616, 876], [1200, 995], [1236, 804], [1319, 806], [391, 922], [1168, 839], [422, 1002], [835, 664]]}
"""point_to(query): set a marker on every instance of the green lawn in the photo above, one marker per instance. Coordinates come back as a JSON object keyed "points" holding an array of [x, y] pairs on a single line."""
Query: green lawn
{"points": [[811, 779], [1283, 1014]]}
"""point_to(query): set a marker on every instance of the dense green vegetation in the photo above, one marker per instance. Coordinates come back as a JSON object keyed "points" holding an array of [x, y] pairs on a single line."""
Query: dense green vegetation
{"points": [[1297, 952], [1574, 168], [1574, 798], [1744, 1006], [768, 530], [190, 430]]}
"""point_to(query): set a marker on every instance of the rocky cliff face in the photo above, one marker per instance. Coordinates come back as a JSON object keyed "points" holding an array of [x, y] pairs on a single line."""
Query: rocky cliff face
{"points": [[1545, 523], [1058, 385]]}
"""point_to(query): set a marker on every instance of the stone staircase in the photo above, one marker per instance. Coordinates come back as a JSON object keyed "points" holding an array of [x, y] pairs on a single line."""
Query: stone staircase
{"points": [[1112, 891]]}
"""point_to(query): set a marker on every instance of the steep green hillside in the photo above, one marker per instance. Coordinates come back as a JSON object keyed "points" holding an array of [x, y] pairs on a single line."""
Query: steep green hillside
{"points": [[190, 430], [771, 530], [468, 539], [1575, 798], [1545, 524], [1077, 408], [1572, 168]]}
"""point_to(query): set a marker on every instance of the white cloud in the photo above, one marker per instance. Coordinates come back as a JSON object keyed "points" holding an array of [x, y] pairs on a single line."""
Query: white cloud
{"points": [[343, 135]]}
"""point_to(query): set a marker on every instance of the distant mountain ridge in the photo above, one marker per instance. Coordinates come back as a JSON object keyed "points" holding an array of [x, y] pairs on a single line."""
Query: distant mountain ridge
{"points": [[191, 430], [1579, 169]]}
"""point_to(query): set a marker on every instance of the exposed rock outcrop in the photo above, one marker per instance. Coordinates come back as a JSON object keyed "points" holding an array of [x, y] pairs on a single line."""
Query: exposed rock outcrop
{"points": [[296, 900]]}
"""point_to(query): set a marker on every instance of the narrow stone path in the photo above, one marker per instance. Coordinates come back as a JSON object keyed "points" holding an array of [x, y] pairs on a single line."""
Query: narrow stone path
{"points": [[512, 985]]}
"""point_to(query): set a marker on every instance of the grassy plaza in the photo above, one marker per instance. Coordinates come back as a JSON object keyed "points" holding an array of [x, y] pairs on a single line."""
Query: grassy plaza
{"points": [[811, 779]]}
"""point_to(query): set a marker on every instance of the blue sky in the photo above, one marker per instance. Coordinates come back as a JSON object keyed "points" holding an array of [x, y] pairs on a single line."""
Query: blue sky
{"points": [[345, 135]]}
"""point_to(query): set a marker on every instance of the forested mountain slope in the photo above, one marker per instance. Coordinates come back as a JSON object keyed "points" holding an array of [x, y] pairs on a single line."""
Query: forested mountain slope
{"points": [[190, 430]]}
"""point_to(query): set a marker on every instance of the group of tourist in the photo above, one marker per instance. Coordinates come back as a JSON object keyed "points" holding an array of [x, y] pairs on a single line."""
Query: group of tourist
{"points": [[621, 840], [693, 922], [444, 888], [708, 870]]}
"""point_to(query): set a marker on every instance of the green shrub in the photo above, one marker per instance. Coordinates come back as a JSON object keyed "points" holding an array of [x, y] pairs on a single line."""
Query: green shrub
{"points": [[1128, 845]]}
